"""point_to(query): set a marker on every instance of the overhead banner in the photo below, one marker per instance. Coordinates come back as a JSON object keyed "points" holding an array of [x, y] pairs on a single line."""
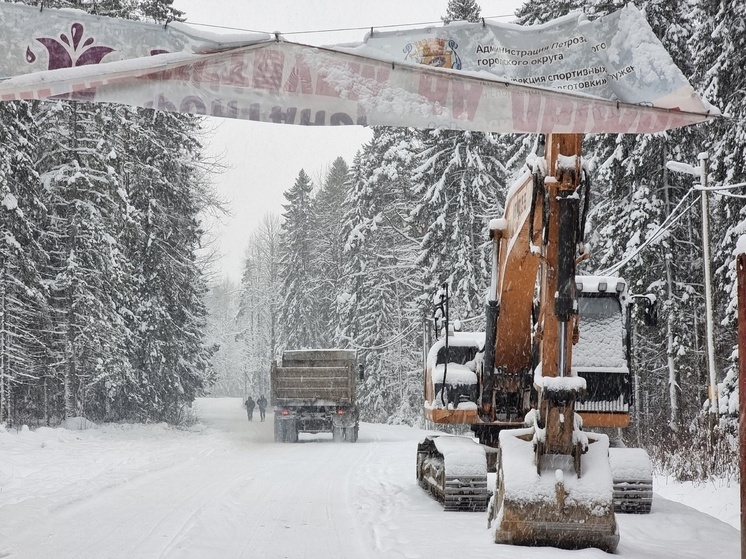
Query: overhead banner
{"points": [[463, 76], [616, 57]]}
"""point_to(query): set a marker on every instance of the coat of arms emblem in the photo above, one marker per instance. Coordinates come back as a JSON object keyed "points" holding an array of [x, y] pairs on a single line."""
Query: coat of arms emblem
{"points": [[434, 52]]}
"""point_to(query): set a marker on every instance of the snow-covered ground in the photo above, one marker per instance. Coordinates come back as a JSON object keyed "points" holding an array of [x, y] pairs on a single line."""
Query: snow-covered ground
{"points": [[224, 489]]}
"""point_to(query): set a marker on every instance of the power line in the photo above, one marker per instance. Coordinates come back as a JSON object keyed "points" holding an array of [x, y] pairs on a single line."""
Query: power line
{"points": [[723, 187], [384, 345], [334, 30], [669, 222]]}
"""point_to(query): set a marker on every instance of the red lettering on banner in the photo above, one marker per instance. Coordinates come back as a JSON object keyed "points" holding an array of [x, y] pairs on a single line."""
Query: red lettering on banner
{"points": [[323, 87], [236, 75], [534, 113], [300, 77], [381, 75], [435, 90], [605, 118], [204, 73], [268, 68], [526, 110], [182, 73], [561, 114], [226, 71], [373, 78], [652, 122], [466, 99]]}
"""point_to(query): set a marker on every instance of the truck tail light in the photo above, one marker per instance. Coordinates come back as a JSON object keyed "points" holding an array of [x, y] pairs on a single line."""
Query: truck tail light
{"points": [[341, 411], [285, 412]]}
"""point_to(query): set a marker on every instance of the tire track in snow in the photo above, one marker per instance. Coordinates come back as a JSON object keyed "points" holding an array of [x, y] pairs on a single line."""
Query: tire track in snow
{"points": [[297, 503], [383, 501]]}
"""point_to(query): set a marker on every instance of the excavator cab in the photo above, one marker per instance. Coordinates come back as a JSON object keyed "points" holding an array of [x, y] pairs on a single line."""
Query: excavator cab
{"points": [[600, 355], [461, 385]]}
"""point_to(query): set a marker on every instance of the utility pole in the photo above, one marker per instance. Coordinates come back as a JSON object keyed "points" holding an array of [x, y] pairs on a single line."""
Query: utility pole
{"points": [[701, 172], [713, 392]]}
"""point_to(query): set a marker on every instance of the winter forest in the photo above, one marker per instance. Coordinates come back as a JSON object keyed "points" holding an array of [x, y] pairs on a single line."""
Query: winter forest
{"points": [[106, 311]]}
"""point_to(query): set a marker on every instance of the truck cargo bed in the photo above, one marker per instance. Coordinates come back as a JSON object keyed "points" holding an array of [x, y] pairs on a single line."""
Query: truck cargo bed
{"points": [[321, 377]]}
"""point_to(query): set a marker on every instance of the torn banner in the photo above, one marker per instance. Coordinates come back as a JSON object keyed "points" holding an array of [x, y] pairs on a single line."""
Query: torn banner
{"points": [[558, 77]]}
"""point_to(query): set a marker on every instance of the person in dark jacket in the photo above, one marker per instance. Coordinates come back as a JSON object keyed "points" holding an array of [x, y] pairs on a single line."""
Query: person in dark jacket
{"points": [[250, 407], [262, 403]]}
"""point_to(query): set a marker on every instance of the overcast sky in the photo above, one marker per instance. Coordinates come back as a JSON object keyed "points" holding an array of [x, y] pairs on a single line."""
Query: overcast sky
{"points": [[263, 160]]}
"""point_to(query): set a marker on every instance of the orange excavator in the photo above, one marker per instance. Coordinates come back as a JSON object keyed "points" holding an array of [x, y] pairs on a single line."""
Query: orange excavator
{"points": [[553, 361]]}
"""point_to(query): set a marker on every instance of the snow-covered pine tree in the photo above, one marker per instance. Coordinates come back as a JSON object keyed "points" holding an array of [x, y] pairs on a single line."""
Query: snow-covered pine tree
{"points": [[259, 305], [462, 10], [627, 164], [461, 183], [23, 298], [74, 156], [223, 332], [83, 236], [166, 192], [328, 241], [719, 50], [299, 324], [534, 12], [634, 194], [380, 318]]}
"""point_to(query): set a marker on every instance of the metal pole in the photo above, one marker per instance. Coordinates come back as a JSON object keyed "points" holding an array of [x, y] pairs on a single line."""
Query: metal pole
{"points": [[713, 389], [562, 358], [631, 342], [741, 271]]}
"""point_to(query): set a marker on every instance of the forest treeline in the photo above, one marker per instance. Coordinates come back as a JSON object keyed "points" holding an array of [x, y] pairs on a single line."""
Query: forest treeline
{"points": [[356, 257], [102, 294], [102, 308]]}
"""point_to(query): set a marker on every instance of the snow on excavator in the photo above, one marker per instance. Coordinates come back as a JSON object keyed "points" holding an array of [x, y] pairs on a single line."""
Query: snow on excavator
{"points": [[553, 361]]}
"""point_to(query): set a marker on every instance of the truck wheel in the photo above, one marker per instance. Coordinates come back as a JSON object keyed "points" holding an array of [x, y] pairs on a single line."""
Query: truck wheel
{"points": [[279, 431], [338, 434], [351, 434], [291, 431]]}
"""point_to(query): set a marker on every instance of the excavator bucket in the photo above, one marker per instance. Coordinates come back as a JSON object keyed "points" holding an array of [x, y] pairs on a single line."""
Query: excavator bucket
{"points": [[553, 507]]}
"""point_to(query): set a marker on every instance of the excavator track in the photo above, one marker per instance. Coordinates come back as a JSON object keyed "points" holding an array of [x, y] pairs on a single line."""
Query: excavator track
{"points": [[454, 471], [632, 472]]}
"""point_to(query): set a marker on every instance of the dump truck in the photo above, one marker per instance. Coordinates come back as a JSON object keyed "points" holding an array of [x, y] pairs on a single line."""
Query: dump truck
{"points": [[315, 391]]}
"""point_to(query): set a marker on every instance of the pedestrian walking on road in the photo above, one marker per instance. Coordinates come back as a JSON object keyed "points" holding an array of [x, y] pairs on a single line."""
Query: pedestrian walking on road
{"points": [[250, 407], [262, 403]]}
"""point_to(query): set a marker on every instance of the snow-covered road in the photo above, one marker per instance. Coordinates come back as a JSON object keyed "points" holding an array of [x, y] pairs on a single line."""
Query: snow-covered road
{"points": [[226, 490]]}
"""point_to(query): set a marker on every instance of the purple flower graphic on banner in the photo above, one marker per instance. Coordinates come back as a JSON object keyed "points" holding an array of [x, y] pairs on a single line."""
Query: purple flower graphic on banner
{"points": [[70, 51]]}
